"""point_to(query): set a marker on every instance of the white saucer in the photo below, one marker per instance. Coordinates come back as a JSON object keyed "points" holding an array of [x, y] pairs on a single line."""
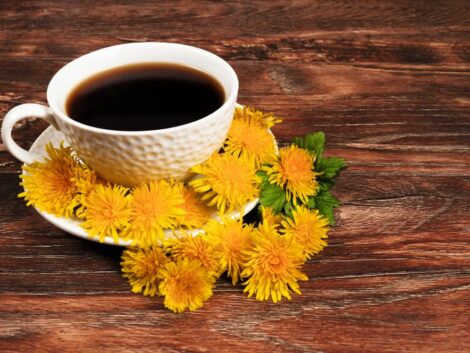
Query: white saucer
{"points": [[72, 226]]}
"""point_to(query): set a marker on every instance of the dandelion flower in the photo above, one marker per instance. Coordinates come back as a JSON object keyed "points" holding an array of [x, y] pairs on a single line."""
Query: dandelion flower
{"points": [[141, 267], [49, 185], [186, 284], [230, 240], [250, 140], [196, 211], [226, 181], [107, 211], [194, 248], [86, 181], [266, 120], [307, 228], [294, 172], [154, 207], [268, 215], [273, 265]]}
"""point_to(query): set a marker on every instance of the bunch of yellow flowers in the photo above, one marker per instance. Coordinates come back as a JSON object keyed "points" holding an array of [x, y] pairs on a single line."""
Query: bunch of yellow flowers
{"points": [[295, 211]]}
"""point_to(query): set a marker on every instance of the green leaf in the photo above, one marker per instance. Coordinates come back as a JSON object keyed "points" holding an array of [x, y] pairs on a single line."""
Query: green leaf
{"points": [[325, 203], [329, 167], [288, 208], [311, 202], [263, 177], [313, 142], [326, 185], [272, 196]]}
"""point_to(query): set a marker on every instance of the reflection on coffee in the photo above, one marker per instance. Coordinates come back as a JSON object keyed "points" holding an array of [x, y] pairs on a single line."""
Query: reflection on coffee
{"points": [[148, 96]]}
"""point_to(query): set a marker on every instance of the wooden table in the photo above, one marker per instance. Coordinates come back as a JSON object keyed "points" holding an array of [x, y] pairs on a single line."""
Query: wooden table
{"points": [[388, 81]]}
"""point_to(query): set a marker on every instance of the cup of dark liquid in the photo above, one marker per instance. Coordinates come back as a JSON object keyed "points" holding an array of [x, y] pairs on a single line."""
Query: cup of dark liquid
{"points": [[137, 112]]}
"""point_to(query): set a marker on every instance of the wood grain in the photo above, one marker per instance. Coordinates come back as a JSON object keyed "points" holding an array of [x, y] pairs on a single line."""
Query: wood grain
{"points": [[387, 81]]}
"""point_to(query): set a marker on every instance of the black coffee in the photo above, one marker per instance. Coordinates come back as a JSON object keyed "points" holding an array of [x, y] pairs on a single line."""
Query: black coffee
{"points": [[146, 96]]}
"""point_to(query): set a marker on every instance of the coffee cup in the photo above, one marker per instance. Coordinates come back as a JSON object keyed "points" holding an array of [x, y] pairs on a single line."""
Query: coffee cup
{"points": [[133, 157]]}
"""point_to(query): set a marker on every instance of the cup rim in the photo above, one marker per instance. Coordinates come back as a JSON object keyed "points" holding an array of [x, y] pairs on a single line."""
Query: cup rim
{"points": [[229, 101]]}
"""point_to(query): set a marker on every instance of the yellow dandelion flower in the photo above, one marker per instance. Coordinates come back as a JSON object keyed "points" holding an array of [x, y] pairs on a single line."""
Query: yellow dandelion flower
{"points": [[230, 240], [141, 267], [196, 211], [266, 120], [196, 247], [273, 265], [268, 215], [86, 181], [186, 284], [250, 140], [154, 207], [107, 211], [226, 181], [307, 228], [49, 185], [294, 172]]}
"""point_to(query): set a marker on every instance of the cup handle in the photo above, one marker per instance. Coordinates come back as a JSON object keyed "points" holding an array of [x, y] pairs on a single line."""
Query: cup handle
{"points": [[16, 114]]}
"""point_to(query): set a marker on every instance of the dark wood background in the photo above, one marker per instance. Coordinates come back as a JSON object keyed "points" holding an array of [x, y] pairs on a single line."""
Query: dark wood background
{"points": [[388, 81]]}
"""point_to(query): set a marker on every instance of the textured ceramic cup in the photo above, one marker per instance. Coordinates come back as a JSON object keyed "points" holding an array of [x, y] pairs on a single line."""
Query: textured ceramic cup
{"points": [[133, 157]]}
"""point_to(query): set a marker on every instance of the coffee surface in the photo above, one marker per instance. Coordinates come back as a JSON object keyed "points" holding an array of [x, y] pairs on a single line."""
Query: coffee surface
{"points": [[143, 97]]}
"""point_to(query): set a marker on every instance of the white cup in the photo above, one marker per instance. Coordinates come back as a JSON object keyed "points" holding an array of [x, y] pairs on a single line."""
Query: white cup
{"points": [[133, 157]]}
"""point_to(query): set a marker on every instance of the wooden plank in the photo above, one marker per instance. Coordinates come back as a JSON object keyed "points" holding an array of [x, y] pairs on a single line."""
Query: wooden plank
{"points": [[389, 84]]}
